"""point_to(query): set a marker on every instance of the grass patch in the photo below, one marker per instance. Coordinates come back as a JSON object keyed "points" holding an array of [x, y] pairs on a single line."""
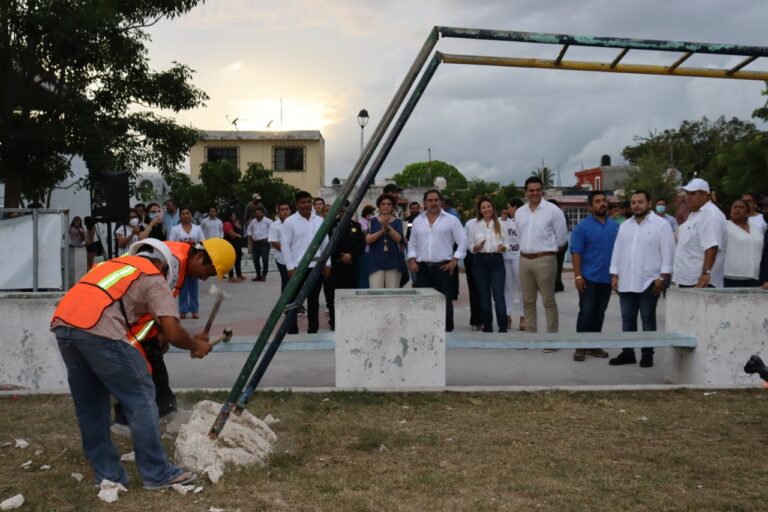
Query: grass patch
{"points": [[650, 451]]}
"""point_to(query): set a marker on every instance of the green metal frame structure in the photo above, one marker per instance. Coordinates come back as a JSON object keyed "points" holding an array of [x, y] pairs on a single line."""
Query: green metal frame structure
{"points": [[244, 387]]}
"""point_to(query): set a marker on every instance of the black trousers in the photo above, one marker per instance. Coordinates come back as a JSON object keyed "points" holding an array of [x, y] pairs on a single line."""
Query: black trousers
{"points": [[343, 277], [430, 276], [164, 397], [313, 306], [474, 297]]}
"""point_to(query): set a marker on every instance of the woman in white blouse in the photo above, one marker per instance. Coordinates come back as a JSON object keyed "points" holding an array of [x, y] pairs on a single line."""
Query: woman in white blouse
{"points": [[743, 249], [487, 241], [192, 234]]}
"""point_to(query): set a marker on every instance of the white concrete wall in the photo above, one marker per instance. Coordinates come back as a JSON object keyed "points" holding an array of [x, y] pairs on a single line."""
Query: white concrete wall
{"points": [[730, 325], [390, 338], [29, 355]]}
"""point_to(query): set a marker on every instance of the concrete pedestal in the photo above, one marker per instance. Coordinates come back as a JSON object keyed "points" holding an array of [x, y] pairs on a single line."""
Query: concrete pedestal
{"points": [[730, 325], [29, 355], [390, 338]]}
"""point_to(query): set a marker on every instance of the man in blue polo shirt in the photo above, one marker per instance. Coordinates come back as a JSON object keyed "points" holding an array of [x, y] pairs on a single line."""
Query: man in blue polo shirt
{"points": [[591, 248]]}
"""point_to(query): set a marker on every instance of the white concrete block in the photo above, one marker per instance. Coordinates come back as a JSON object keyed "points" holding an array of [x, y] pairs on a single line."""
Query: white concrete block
{"points": [[390, 338], [730, 325], [29, 355]]}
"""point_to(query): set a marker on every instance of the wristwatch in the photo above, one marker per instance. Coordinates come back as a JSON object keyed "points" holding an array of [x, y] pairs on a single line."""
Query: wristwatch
{"points": [[707, 272]]}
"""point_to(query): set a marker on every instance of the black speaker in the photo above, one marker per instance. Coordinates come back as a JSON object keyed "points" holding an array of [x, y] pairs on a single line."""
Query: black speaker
{"points": [[109, 196]]}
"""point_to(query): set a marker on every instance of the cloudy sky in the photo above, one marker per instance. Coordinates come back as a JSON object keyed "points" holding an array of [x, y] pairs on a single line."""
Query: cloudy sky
{"points": [[328, 59]]}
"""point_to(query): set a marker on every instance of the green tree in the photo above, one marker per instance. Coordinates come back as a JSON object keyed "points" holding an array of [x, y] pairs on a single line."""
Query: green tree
{"points": [[76, 80], [465, 200], [221, 180], [546, 175], [423, 174], [745, 166], [653, 176]]}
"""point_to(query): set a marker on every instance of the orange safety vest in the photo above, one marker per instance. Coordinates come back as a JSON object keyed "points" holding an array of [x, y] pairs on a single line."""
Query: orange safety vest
{"points": [[84, 304], [144, 328]]}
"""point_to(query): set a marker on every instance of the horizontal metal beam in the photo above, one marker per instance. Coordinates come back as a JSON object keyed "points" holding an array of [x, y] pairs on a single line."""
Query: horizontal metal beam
{"points": [[603, 42], [641, 69]]}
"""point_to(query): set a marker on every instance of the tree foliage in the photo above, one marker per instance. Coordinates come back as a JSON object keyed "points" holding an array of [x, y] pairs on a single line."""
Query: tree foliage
{"points": [[653, 176], [423, 174], [75, 79], [546, 175], [706, 149], [221, 181]]}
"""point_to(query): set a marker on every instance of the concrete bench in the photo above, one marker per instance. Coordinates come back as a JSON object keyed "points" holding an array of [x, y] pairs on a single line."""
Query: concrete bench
{"points": [[481, 340]]}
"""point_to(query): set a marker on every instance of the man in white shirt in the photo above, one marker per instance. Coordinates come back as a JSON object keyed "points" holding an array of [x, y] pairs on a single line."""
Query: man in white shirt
{"points": [[543, 233], [211, 225], [295, 237], [640, 267], [512, 289], [283, 211], [756, 219], [258, 233], [431, 256], [699, 258]]}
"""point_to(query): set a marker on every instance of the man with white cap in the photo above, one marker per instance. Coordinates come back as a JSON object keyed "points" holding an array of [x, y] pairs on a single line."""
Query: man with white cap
{"points": [[699, 258]]}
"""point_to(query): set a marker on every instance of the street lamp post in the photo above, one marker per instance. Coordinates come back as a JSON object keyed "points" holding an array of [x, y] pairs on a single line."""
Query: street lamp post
{"points": [[362, 120]]}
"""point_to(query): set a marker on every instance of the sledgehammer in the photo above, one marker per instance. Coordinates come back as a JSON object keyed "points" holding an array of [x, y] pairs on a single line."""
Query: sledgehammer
{"points": [[220, 296]]}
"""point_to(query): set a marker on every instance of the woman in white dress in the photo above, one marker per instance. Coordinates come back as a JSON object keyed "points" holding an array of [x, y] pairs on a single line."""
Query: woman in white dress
{"points": [[743, 248]]}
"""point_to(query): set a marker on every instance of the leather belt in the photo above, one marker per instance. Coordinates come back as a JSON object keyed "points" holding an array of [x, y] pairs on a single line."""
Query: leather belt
{"points": [[534, 255], [434, 263]]}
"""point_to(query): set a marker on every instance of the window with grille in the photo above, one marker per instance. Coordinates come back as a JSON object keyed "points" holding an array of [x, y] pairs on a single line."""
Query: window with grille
{"points": [[288, 159]]}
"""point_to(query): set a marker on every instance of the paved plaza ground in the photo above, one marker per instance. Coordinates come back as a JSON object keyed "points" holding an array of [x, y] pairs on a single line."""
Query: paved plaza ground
{"points": [[251, 302]]}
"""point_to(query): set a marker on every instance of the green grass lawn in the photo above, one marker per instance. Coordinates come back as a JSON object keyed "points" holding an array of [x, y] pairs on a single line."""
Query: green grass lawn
{"points": [[670, 450]]}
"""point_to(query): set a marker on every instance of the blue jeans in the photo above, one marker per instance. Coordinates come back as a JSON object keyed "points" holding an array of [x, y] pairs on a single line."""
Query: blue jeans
{"points": [[188, 297], [645, 303], [430, 276], [261, 257], [489, 276], [97, 368], [593, 302]]}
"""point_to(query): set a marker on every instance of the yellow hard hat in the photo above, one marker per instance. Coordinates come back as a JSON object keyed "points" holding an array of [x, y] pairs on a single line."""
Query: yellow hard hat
{"points": [[222, 255]]}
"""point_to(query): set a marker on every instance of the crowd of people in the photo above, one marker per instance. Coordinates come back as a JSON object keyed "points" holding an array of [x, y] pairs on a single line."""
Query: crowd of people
{"points": [[510, 257]]}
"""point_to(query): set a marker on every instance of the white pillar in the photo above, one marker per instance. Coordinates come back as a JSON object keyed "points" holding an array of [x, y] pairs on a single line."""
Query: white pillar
{"points": [[390, 338]]}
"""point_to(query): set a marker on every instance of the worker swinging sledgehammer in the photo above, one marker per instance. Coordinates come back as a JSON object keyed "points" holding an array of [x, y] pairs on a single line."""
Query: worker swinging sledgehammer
{"points": [[95, 326], [189, 260]]}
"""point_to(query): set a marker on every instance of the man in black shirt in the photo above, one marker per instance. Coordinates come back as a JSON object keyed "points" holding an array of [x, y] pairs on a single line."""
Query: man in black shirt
{"points": [[345, 261]]}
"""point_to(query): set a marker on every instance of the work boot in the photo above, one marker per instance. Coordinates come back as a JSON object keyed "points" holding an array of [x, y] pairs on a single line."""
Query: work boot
{"points": [[596, 352], [623, 358], [646, 360], [579, 355]]}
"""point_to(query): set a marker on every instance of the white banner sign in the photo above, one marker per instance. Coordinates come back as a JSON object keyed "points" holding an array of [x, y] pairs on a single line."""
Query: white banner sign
{"points": [[16, 268]]}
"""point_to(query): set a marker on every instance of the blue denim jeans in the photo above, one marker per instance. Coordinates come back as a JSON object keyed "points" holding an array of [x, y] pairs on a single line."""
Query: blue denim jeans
{"points": [[261, 258], [489, 277], [97, 368], [189, 301], [593, 302], [645, 303]]}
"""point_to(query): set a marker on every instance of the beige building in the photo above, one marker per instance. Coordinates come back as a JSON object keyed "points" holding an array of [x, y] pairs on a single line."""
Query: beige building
{"points": [[298, 157]]}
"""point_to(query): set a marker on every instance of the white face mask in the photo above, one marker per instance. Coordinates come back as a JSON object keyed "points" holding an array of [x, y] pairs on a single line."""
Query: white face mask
{"points": [[134, 222]]}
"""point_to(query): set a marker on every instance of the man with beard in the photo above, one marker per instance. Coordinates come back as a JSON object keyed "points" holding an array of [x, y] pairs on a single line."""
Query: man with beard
{"points": [[641, 264], [591, 247]]}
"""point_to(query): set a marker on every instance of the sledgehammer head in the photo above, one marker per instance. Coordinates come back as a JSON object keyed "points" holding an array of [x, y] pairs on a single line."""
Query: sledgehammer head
{"points": [[224, 337], [218, 292]]}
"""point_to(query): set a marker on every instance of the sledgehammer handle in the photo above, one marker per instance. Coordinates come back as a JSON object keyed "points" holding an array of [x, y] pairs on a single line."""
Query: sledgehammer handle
{"points": [[212, 316]]}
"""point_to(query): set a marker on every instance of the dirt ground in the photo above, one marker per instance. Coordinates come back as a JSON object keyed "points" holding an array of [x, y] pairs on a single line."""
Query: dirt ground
{"points": [[671, 450]]}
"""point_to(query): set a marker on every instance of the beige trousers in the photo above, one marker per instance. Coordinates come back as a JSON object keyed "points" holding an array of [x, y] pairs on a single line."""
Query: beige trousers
{"points": [[538, 275], [384, 279]]}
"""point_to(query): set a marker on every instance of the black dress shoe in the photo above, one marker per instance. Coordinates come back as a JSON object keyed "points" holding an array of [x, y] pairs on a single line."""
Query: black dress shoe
{"points": [[646, 361], [623, 358]]}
